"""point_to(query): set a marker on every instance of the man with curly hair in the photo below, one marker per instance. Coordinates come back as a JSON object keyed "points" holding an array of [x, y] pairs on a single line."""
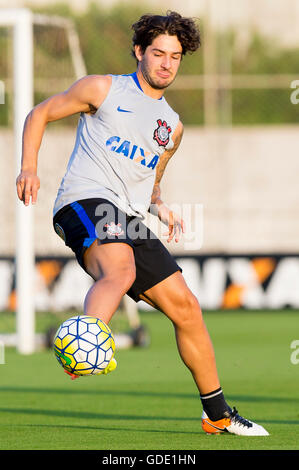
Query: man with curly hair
{"points": [[126, 135]]}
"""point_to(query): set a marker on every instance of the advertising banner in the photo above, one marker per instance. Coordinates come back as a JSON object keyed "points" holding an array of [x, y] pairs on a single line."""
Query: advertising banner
{"points": [[218, 281]]}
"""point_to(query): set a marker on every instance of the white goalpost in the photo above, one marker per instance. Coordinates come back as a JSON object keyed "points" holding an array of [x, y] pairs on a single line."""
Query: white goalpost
{"points": [[22, 21]]}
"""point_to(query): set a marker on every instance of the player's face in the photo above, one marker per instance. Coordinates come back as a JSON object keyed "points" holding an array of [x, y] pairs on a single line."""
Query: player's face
{"points": [[160, 61]]}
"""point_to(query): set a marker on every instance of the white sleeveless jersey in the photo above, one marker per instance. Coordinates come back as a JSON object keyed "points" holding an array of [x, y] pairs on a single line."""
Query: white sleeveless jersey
{"points": [[118, 148]]}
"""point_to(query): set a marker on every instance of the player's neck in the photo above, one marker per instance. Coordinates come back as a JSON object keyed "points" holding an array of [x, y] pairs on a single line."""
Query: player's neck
{"points": [[146, 88]]}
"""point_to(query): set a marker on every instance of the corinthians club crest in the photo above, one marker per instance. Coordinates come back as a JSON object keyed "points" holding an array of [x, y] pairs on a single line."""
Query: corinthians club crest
{"points": [[161, 134], [114, 229]]}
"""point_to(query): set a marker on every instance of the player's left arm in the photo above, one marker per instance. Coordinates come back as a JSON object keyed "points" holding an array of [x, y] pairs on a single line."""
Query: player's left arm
{"points": [[174, 221]]}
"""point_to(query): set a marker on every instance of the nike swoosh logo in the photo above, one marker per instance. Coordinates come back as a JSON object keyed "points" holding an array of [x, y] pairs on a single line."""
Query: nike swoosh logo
{"points": [[67, 360], [123, 110]]}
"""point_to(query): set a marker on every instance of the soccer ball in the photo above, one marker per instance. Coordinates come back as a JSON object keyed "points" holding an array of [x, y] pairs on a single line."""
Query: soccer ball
{"points": [[84, 345]]}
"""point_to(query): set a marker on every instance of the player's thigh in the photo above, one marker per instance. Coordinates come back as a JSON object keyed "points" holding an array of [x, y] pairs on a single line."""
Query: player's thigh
{"points": [[175, 299], [110, 260]]}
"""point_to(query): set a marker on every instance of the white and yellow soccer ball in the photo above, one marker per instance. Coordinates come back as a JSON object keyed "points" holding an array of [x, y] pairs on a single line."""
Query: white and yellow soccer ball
{"points": [[84, 345]]}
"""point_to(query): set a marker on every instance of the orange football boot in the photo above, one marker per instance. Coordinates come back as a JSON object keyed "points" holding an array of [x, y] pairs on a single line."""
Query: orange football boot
{"points": [[214, 427]]}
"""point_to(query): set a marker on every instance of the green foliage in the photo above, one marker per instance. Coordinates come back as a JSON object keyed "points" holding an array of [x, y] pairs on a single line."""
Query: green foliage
{"points": [[265, 56], [257, 107], [105, 38]]}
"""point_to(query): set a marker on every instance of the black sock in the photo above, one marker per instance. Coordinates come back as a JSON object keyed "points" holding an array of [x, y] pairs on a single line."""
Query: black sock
{"points": [[214, 404]]}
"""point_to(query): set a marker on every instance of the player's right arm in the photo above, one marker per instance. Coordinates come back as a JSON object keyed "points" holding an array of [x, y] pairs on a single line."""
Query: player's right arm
{"points": [[85, 95]]}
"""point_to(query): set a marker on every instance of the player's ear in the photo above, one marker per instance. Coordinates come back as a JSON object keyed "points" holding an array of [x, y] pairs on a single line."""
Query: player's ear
{"points": [[138, 52]]}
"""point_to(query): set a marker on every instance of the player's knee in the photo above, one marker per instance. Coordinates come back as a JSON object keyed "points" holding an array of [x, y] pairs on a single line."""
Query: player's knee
{"points": [[127, 277], [122, 276], [189, 311]]}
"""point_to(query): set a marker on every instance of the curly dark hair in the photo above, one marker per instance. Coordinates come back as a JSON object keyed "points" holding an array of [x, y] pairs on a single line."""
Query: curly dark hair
{"points": [[148, 27]]}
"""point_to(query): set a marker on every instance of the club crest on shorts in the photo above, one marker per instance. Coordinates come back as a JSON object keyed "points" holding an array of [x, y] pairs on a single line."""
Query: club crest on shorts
{"points": [[161, 134], [114, 229], [59, 230]]}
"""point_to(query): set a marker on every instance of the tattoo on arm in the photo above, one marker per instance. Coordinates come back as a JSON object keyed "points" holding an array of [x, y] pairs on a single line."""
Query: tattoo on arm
{"points": [[164, 159], [166, 156], [156, 193]]}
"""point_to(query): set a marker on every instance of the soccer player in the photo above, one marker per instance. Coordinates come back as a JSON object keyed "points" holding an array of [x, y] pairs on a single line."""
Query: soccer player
{"points": [[126, 135]]}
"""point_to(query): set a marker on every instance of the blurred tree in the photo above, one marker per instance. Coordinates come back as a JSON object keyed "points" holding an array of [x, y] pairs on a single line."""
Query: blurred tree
{"points": [[105, 38]]}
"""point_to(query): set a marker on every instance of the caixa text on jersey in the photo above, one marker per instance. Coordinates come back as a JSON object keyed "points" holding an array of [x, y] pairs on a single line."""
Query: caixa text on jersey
{"points": [[132, 151]]}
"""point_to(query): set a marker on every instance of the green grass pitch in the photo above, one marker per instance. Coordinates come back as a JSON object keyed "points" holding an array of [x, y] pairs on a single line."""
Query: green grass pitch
{"points": [[150, 402]]}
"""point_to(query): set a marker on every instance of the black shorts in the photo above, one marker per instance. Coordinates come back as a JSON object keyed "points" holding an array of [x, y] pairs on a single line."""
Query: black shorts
{"points": [[81, 223]]}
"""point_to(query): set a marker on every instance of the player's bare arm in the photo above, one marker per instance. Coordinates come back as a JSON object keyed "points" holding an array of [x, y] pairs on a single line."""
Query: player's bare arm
{"points": [[85, 95], [174, 222]]}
